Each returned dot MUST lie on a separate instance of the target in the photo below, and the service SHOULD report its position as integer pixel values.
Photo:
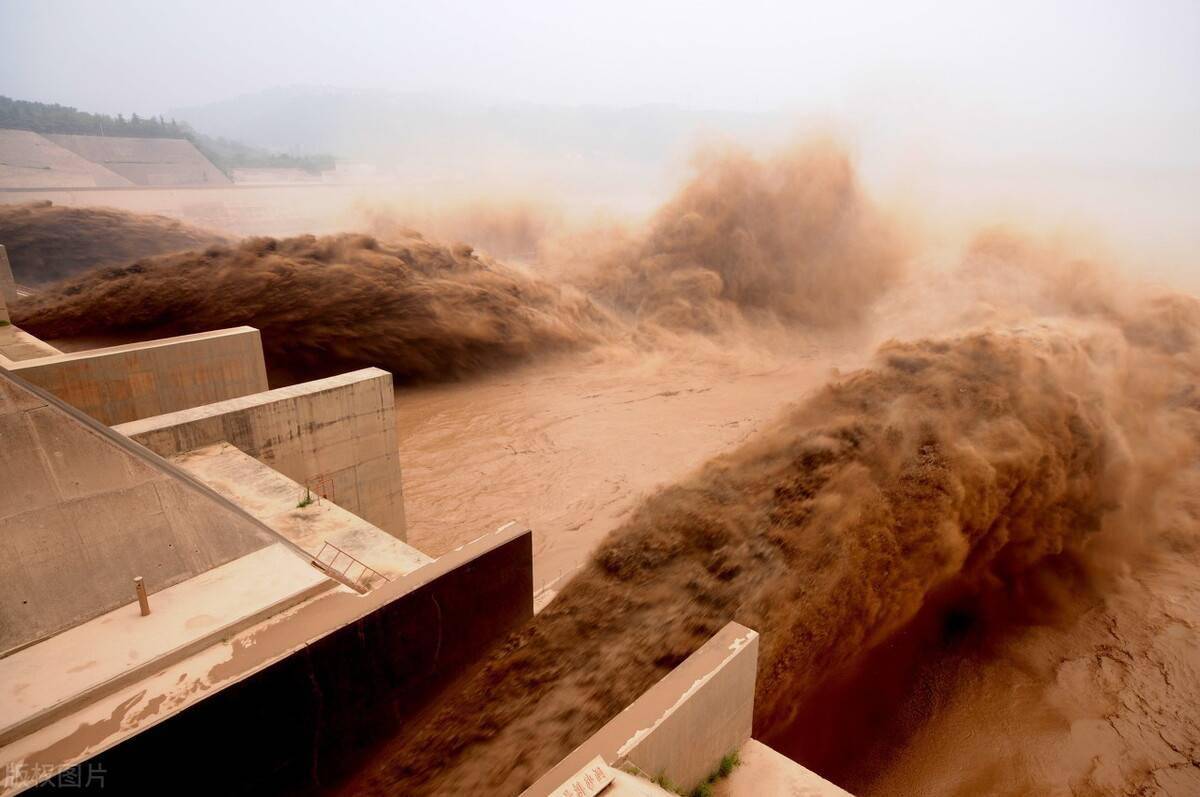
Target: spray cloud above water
(48, 242)
(790, 241)
(419, 309)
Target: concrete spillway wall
(316, 691)
(8, 286)
(15, 343)
(340, 432)
(124, 383)
(682, 726)
(83, 511)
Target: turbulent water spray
(418, 309)
(793, 239)
(949, 464)
(791, 242)
(1025, 408)
(47, 242)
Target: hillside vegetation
(225, 154)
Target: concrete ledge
(683, 725)
(763, 771)
(124, 383)
(17, 345)
(185, 620)
(342, 428)
(273, 498)
(294, 704)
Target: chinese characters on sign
(588, 781)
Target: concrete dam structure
(55, 160)
(265, 530)
(32, 161)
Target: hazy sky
(1074, 113)
(122, 56)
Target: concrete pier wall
(8, 286)
(312, 715)
(83, 511)
(342, 428)
(684, 724)
(17, 345)
(124, 383)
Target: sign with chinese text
(588, 781)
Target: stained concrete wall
(83, 511)
(145, 161)
(31, 161)
(683, 725)
(17, 345)
(124, 383)
(306, 721)
(8, 286)
(343, 428)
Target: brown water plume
(953, 466)
(509, 229)
(418, 309)
(793, 238)
(790, 243)
(48, 242)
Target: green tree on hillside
(227, 155)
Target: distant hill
(618, 157)
(226, 154)
(375, 124)
(42, 117)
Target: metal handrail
(352, 560)
(323, 485)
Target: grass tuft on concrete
(306, 500)
(729, 762)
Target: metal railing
(321, 484)
(346, 571)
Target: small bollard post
(143, 600)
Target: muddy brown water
(569, 447)
(1095, 695)
(1098, 699)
